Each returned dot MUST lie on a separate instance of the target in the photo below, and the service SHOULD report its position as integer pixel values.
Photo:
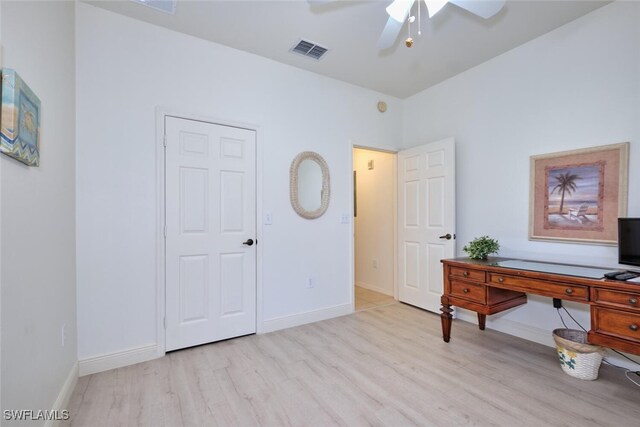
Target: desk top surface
(546, 267)
(540, 267)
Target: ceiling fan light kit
(399, 12)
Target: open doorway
(374, 227)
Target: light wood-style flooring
(383, 366)
(366, 299)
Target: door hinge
(164, 140)
(164, 322)
(165, 231)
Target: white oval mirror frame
(305, 183)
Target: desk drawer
(628, 300)
(469, 291)
(541, 287)
(466, 273)
(618, 323)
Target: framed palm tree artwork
(577, 196)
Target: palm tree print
(566, 184)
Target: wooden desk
(486, 288)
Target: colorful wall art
(19, 120)
(578, 195)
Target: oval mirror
(309, 185)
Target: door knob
(446, 236)
(249, 242)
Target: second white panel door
(210, 232)
(426, 221)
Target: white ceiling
(452, 41)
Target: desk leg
(446, 317)
(482, 319)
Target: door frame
(352, 229)
(161, 114)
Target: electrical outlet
(375, 263)
(63, 335)
(268, 218)
(310, 282)
(344, 218)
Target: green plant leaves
(481, 247)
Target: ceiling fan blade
(398, 13)
(399, 9)
(484, 9)
(389, 33)
(434, 6)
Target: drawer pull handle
(633, 301)
(465, 290)
(465, 274)
(569, 291)
(500, 280)
(633, 327)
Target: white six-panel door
(426, 215)
(210, 216)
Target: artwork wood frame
(577, 196)
(20, 120)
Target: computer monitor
(629, 241)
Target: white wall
(374, 225)
(575, 87)
(38, 214)
(125, 69)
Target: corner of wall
(64, 396)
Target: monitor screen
(629, 241)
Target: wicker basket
(577, 358)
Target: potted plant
(481, 247)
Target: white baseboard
(306, 317)
(62, 401)
(527, 332)
(118, 359)
(374, 288)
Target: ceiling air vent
(309, 49)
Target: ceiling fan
(400, 10)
